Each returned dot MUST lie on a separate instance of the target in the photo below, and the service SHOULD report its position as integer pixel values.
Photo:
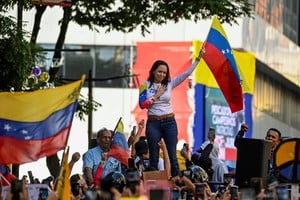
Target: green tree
(124, 16)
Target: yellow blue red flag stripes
(119, 148)
(63, 187)
(220, 59)
(36, 124)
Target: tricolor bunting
(36, 124)
(220, 60)
(119, 148)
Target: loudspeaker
(252, 160)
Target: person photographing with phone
(135, 136)
(155, 96)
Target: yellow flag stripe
(245, 63)
(217, 25)
(37, 105)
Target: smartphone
(133, 132)
(131, 163)
(186, 146)
(227, 179)
(234, 192)
(221, 189)
(30, 177)
(199, 190)
(43, 193)
(146, 163)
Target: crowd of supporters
(138, 180)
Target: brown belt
(171, 115)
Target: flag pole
(116, 127)
(201, 52)
(61, 164)
(3, 178)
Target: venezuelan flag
(119, 149)
(205, 83)
(220, 59)
(36, 124)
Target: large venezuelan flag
(36, 124)
(220, 59)
(207, 97)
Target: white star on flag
(7, 127)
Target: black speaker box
(252, 160)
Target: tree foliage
(129, 15)
(18, 56)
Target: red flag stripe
(224, 76)
(31, 150)
(119, 153)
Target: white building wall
(262, 122)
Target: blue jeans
(166, 129)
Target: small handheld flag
(119, 148)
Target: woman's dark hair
(155, 65)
